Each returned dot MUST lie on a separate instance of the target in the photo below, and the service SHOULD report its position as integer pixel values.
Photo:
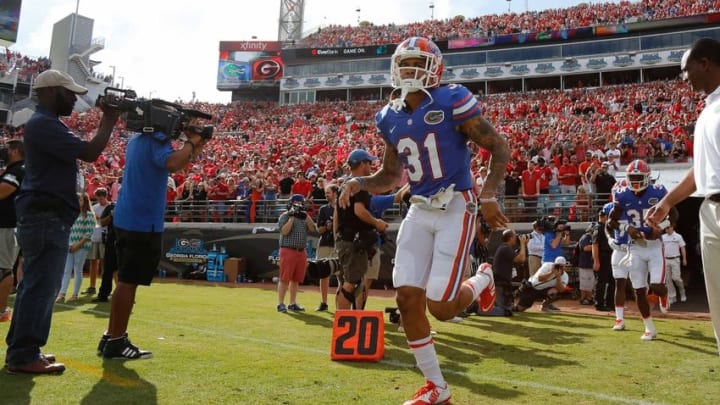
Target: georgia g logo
(266, 69)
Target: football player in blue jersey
(644, 255)
(426, 129)
(618, 242)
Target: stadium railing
(517, 210)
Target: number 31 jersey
(635, 207)
(432, 150)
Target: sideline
(474, 377)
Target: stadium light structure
(113, 75)
(122, 82)
(357, 10)
(509, 2)
(432, 11)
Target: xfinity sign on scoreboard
(245, 64)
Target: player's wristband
(361, 181)
(664, 224)
(623, 227)
(487, 200)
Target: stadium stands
(508, 23)
(266, 142)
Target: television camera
(147, 116)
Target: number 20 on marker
(358, 336)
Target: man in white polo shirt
(674, 248)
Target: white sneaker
(456, 319)
(648, 336)
(430, 394)
(683, 298)
(672, 300)
(619, 325)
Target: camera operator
(557, 235)
(294, 225)
(326, 243)
(139, 218)
(46, 207)
(546, 284)
(13, 156)
(506, 257)
(355, 234)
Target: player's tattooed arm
(480, 131)
(389, 174)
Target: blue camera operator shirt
(141, 203)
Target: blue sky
(170, 48)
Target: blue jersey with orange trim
(635, 207)
(432, 150)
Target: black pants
(605, 286)
(109, 268)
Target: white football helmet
(422, 78)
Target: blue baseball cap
(360, 155)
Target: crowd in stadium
(27, 67)
(259, 144)
(587, 14)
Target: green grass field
(220, 345)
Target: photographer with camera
(506, 257)
(294, 225)
(546, 284)
(356, 234)
(46, 207)
(139, 215)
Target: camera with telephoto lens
(155, 115)
(524, 236)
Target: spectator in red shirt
(218, 193)
(530, 190)
(302, 186)
(568, 177)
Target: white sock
(427, 361)
(477, 284)
(620, 313)
(649, 324)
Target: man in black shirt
(604, 182)
(355, 233)
(512, 190)
(286, 184)
(506, 257)
(602, 265)
(326, 243)
(110, 262)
